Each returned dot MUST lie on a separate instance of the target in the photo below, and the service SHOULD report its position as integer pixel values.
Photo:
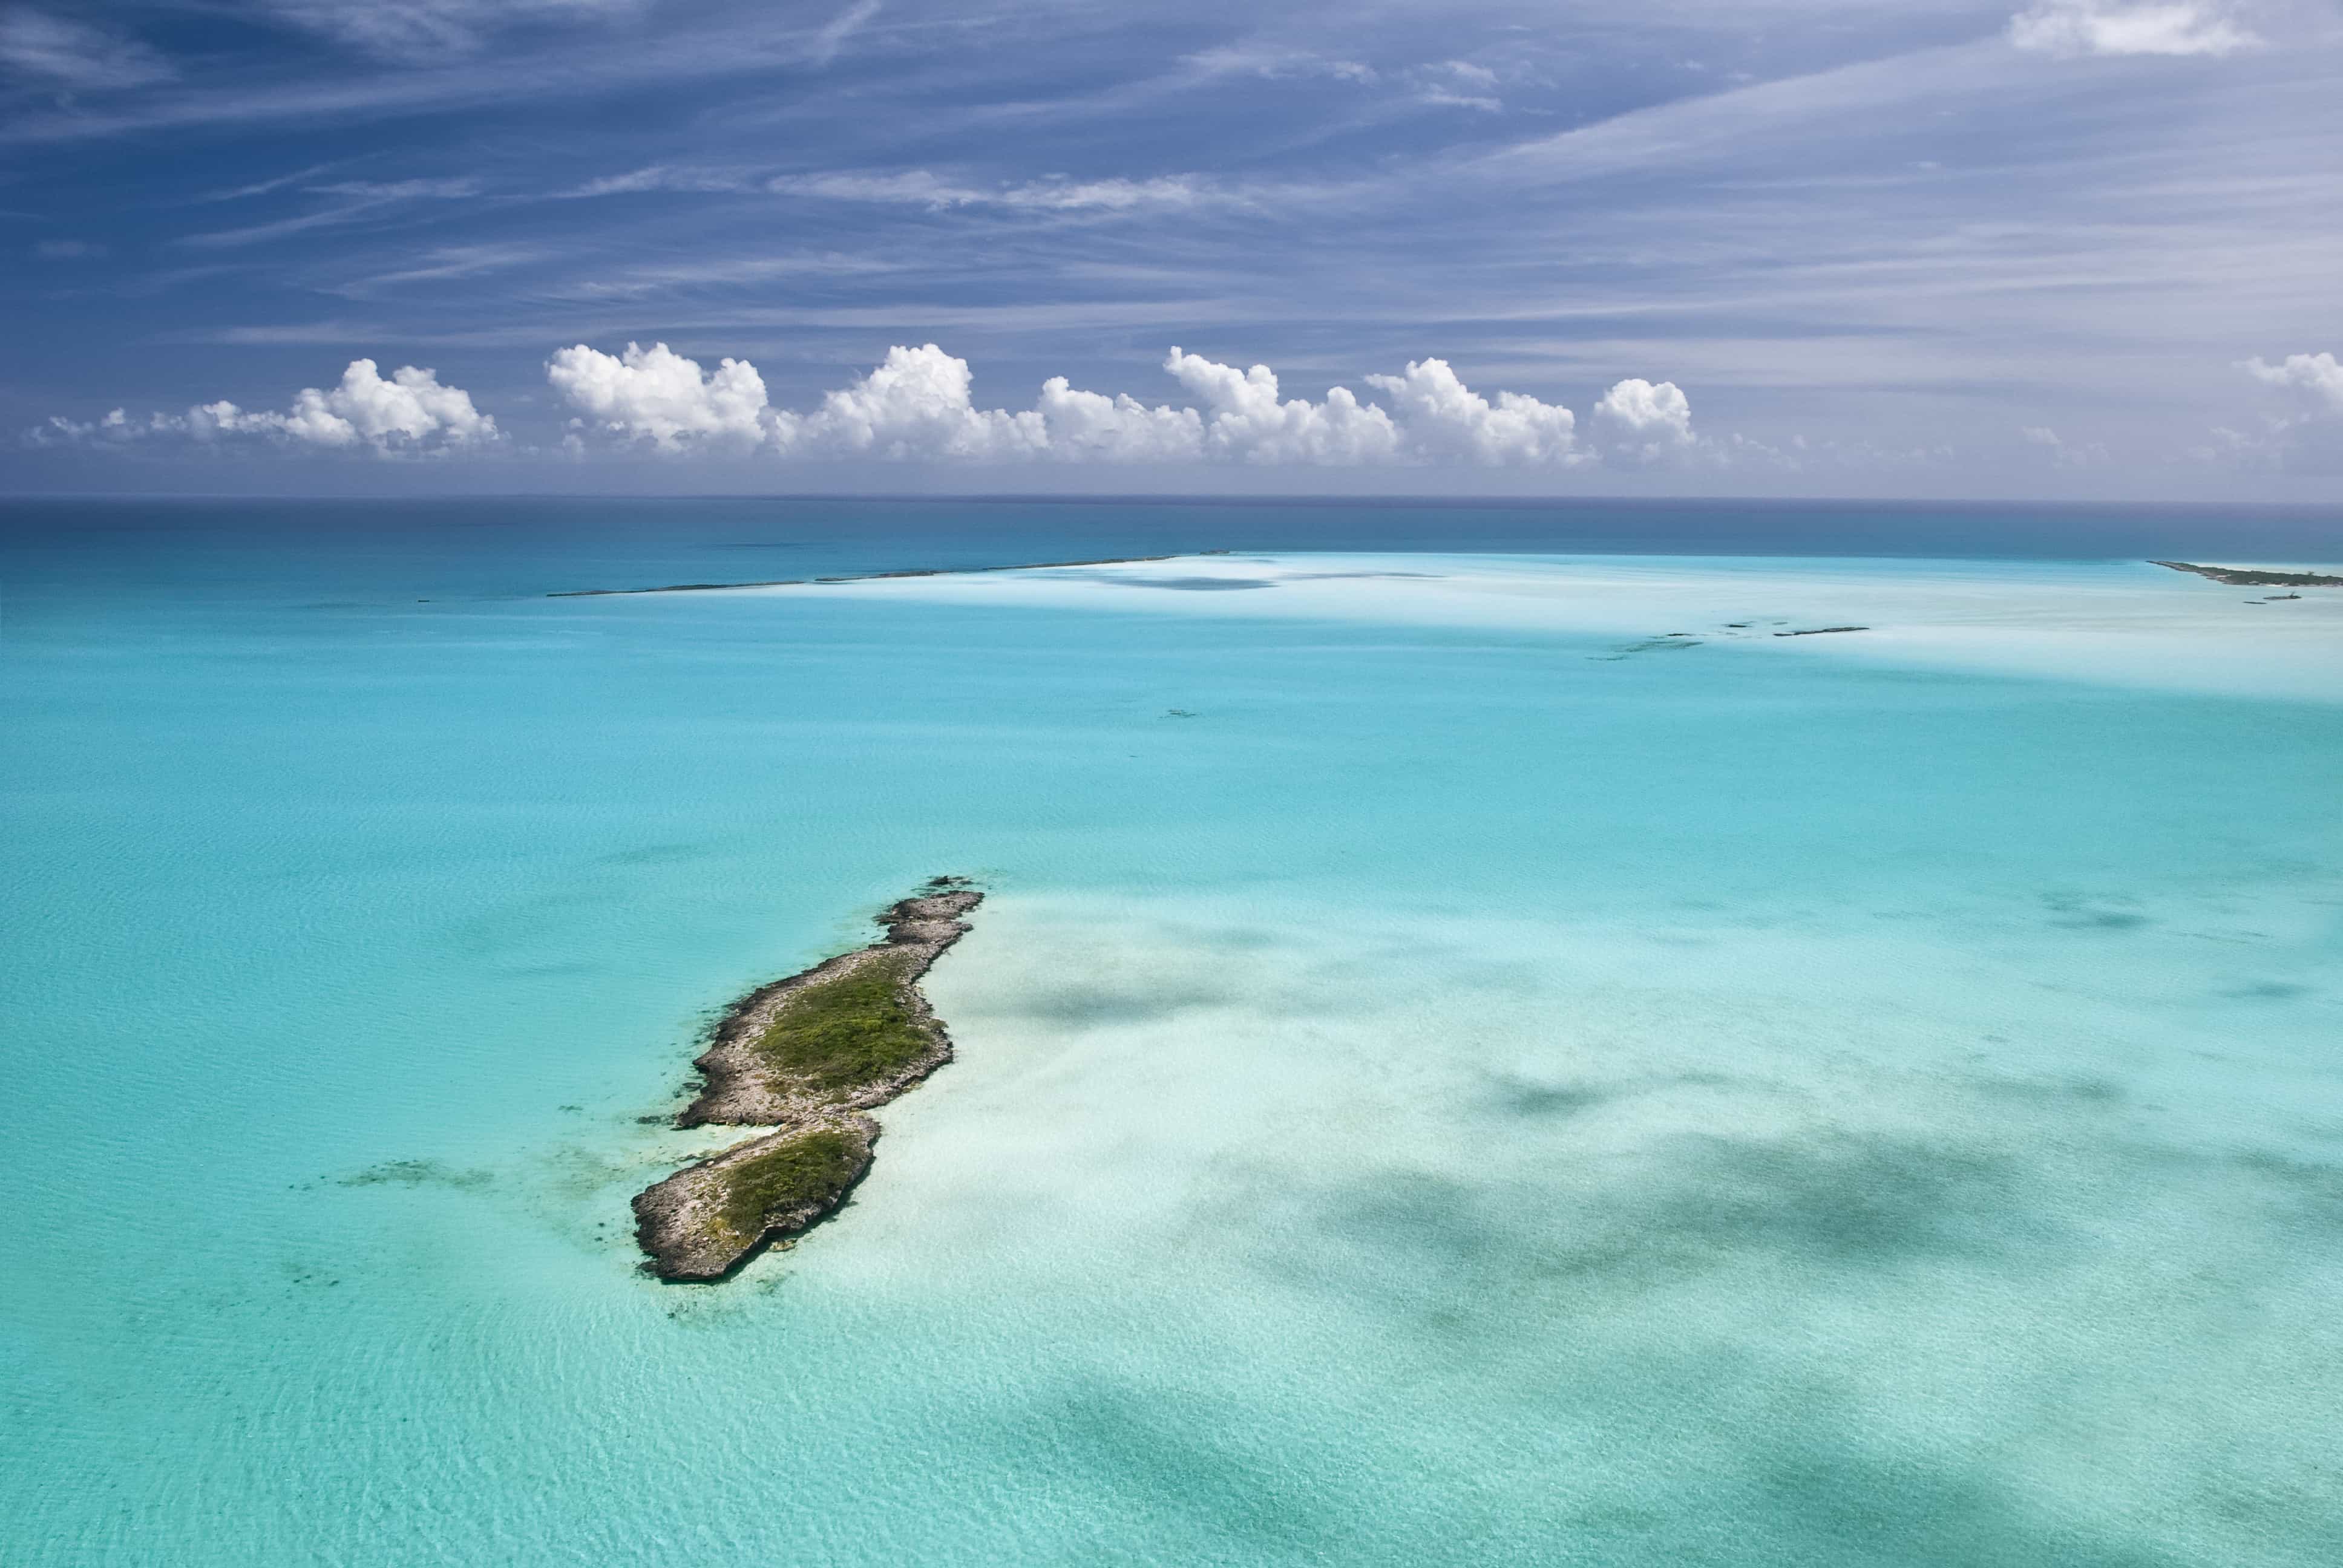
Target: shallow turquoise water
(1458, 1096)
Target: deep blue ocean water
(1432, 1089)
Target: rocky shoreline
(805, 1056)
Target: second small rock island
(805, 1056)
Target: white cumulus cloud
(2066, 454)
(919, 405)
(2070, 28)
(1645, 421)
(410, 412)
(1247, 420)
(657, 395)
(2320, 376)
(2308, 434)
(1089, 427)
(916, 405)
(1445, 419)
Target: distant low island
(2254, 577)
(872, 577)
(805, 1056)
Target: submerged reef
(804, 1055)
(2253, 576)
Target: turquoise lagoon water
(1444, 1078)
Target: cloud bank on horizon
(1988, 246)
(410, 412)
(919, 405)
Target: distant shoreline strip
(879, 576)
(2254, 577)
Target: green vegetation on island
(849, 1031)
(805, 1056)
(811, 1170)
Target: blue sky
(2029, 247)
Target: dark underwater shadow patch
(1095, 1001)
(1820, 1505)
(419, 1173)
(652, 855)
(1449, 1252)
(1845, 1200)
(2081, 1090)
(1649, 645)
(1521, 1095)
(1754, 1453)
(1196, 585)
(1167, 1453)
(1355, 577)
(2265, 990)
(2073, 913)
(551, 971)
(1178, 585)
(2301, 1194)
(1518, 1094)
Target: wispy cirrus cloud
(459, 75)
(350, 201)
(1273, 64)
(641, 279)
(441, 264)
(426, 30)
(252, 188)
(660, 177)
(922, 187)
(1459, 84)
(2069, 28)
(76, 55)
(831, 37)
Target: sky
(1927, 248)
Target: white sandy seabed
(2136, 625)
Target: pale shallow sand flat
(2124, 623)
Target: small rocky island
(805, 1056)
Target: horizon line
(1175, 498)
